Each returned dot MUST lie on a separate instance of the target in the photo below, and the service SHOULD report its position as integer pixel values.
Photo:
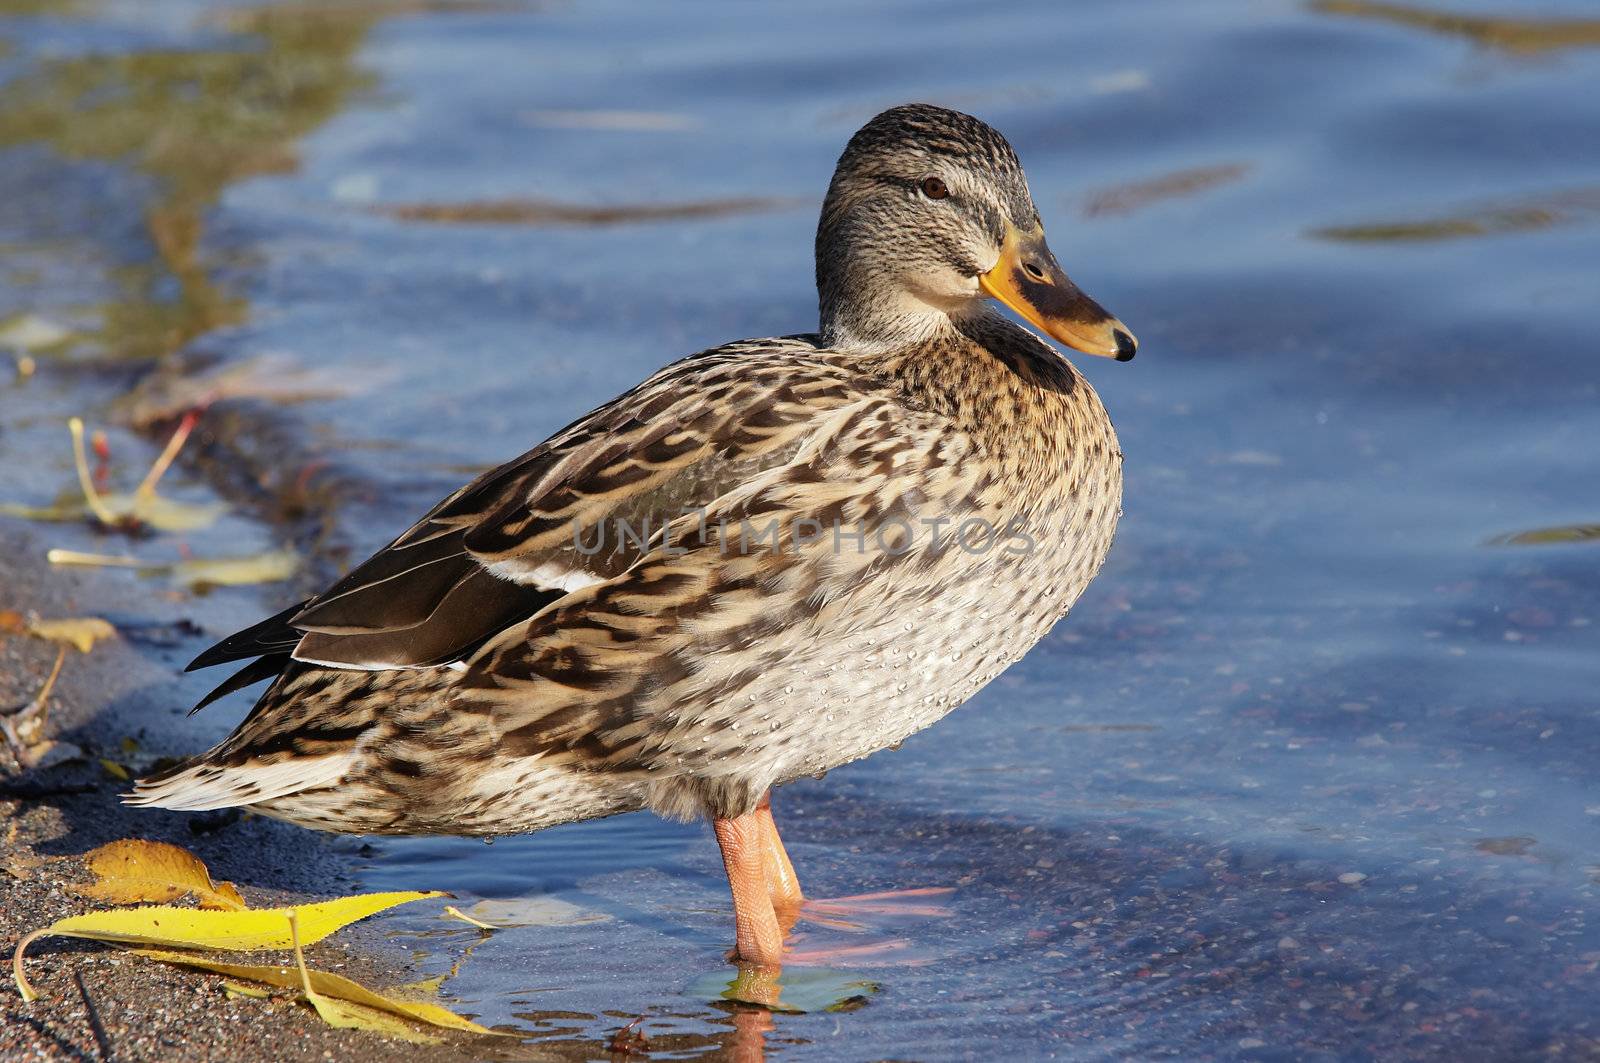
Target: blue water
(1311, 770)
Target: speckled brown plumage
(491, 672)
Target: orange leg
(758, 938)
(783, 885)
(768, 901)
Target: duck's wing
(574, 511)
(655, 669)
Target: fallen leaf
(165, 514)
(427, 987)
(59, 511)
(23, 729)
(530, 911)
(452, 912)
(791, 989)
(57, 752)
(239, 989)
(190, 928)
(21, 865)
(30, 332)
(78, 557)
(325, 985)
(141, 507)
(344, 1015)
(120, 509)
(133, 871)
(81, 631)
(271, 566)
(115, 770)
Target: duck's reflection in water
(750, 1029)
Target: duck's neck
(864, 297)
(865, 317)
(991, 379)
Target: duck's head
(928, 218)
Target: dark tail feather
(266, 667)
(271, 636)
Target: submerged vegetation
(550, 212)
(193, 122)
(1519, 35)
(1571, 207)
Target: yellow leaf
(272, 566)
(143, 505)
(115, 770)
(427, 987)
(239, 989)
(31, 332)
(82, 631)
(133, 871)
(59, 556)
(242, 931)
(189, 928)
(269, 567)
(165, 514)
(120, 509)
(59, 512)
(348, 1016)
(328, 986)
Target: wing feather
(275, 634)
(504, 547)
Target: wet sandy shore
(98, 1002)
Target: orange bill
(1030, 281)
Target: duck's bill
(1030, 281)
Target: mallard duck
(767, 560)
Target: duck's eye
(934, 188)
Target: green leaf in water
(793, 989)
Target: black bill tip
(1127, 346)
